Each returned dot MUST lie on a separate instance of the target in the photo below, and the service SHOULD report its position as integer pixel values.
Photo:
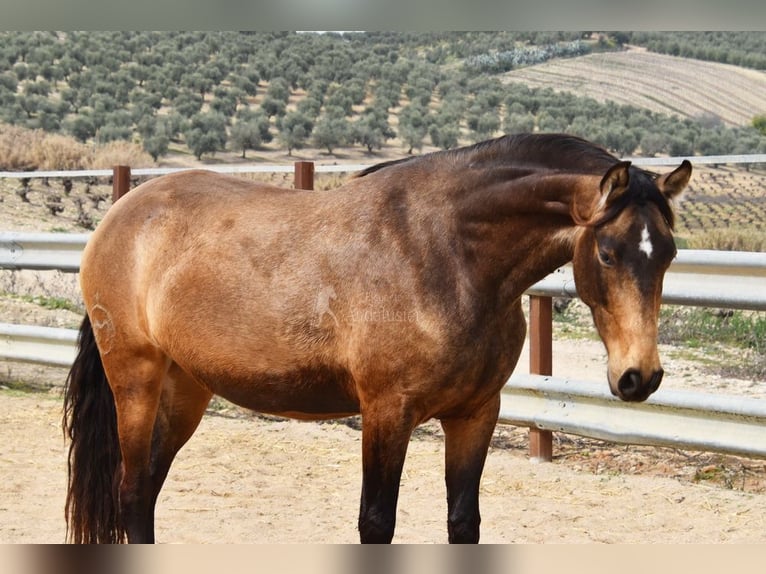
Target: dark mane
(560, 152)
(379, 166)
(520, 154)
(557, 152)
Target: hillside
(205, 93)
(663, 84)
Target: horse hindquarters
(110, 411)
(90, 422)
(111, 498)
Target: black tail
(90, 423)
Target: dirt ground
(250, 479)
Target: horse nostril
(630, 384)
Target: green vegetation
(728, 342)
(746, 49)
(11, 386)
(698, 327)
(46, 302)
(694, 327)
(206, 92)
(712, 332)
(497, 62)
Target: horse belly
(309, 393)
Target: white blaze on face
(645, 245)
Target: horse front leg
(466, 444)
(386, 433)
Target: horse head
(622, 251)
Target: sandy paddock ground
(248, 479)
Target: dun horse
(397, 296)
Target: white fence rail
(681, 419)
(155, 171)
(702, 278)
(692, 420)
(50, 346)
(42, 251)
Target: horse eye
(606, 258)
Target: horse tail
(90, 423)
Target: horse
(396, 296)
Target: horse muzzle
(633, 387)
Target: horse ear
(673, 183)
(615, 182)
(613, 185)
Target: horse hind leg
(182, 404)
(136, 378)
(466, 444)
(157, 413)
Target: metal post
(120, 181)
(304, 175)
(540, 363)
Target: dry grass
(729, 240)
(120, 153)
(55, 151)
(23, 149)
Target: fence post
(304, 175)
(120, 181)
(540, 363)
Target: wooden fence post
(120, 181)
(304, 175)
(540, 363)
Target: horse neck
(518, 231)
